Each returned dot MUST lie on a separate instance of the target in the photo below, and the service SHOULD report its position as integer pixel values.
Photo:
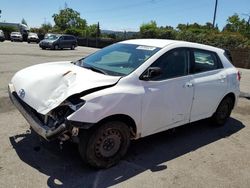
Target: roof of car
(161, 43)
(67, 35)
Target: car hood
(32, 36)
(49, 41)
(15, 35)
(45, 86)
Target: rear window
(69, 38)
(205, 61)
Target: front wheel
(106, 145)
(56, 47)
(223, 111)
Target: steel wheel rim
(108, 144)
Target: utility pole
(247, 15)
(215, 11)
(248, 23)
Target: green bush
(75, 32)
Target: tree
(67, 18)
(24, 22)
(166, 32)
(149, 30)
(235, 24)
(46, 27)
(182, 27)
(92, 30)
(238, 25)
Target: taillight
(239, 75)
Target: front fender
(108, 102)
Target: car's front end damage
(52, 125)
(47, 105)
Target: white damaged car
(126, 91)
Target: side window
(173, 64)
(205, 61)
(66, 37)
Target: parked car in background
(16, 36)
(59, 42)
(126, 91)
(33, 37)
(2, 37)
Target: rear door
(209, 81)
(68, 41)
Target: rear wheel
(106, 145)
(223, 111)
(72, 47)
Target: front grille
(28, 108)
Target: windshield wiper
(96, 70)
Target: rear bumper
(16, 39)
(33, 39)
(36, 124)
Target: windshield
(118, 59)
(52, 37)
(32, 34)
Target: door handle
(188, 85)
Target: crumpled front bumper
(30, 115)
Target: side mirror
(151, 72)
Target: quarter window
(205, 61)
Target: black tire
(28, 41)
(43, 48)
(106, 145)
(72, 47)
(223, 111)
(56, 47)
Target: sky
(125, 15)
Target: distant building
(22, 28)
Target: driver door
(167, 98)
